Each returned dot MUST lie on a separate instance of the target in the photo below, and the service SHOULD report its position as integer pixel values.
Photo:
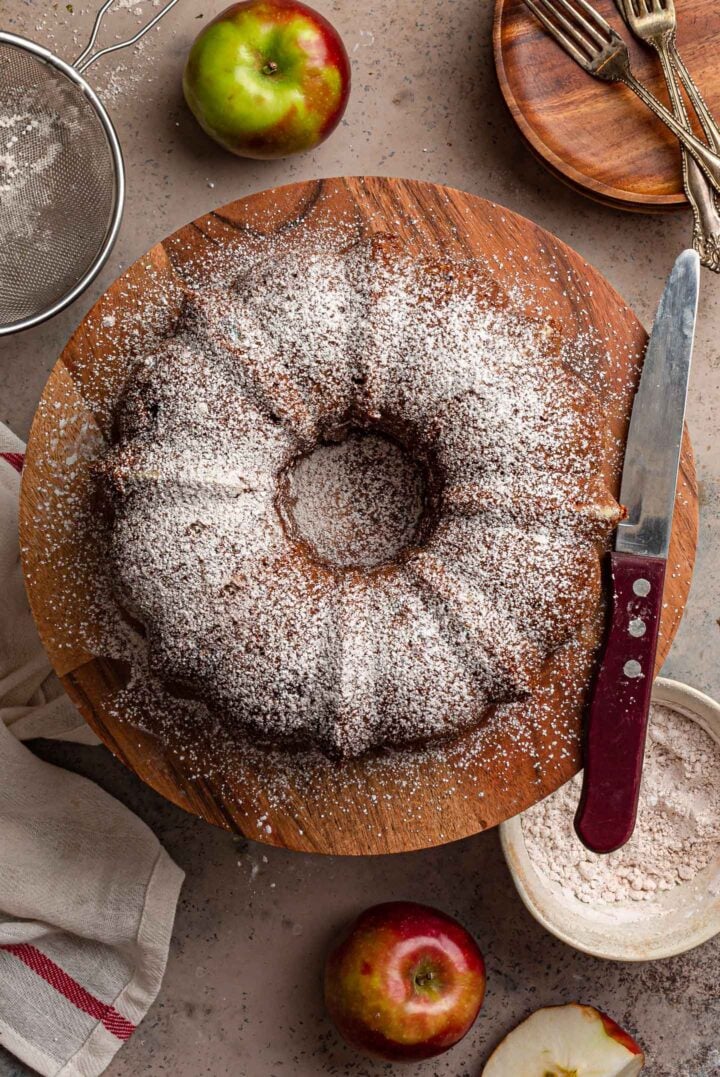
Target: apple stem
(270, 68)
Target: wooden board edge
(389, 846)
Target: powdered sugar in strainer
(62, 180)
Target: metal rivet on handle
(641, 587)
(632, 668)
(637, 627)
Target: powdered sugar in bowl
(660, 895)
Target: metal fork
(653, 21)
(592, 43)
(656, 19)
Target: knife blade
(616, 722)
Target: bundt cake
(356, 500)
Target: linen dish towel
(87, 893)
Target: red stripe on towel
(74, 992)
(14, 459)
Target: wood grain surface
(373, 805)
(598, 136)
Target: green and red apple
(268, 78)
(566, 1041)
(406, 982)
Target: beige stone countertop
(241, 995)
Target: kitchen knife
(620, 696)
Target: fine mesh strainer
(62, 180)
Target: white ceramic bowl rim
(692, 913)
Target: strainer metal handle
(87, 57)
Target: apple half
(566, 1041)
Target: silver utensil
(599, 50)
(620, 697)
(653, 22)
(62, 179)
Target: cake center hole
(356, 503)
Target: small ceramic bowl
(676, 921)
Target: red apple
(267, 78)
(406, 983)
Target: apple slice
(566, 1041)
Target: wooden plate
(387, 804)
(598, 136)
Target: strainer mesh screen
(57, 184)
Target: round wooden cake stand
(596, 136)
(365, 806)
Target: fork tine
(601, 30)
(586, 40)
(553, 29)
(629, 9)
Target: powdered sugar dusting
(357, 503)
(239, 609)
(210, 459)
(27, 149)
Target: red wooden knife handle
(619, 705)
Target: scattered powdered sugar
(134, 5)
(677, 833)
(64, 30)
(398, 638)
(29, 145)
(211, 466)
(358, 502)
(57, 192)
